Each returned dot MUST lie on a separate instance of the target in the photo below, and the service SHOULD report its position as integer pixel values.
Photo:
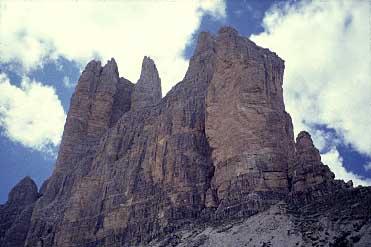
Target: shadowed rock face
(308, 170)
(134, 167)
(15, 215)
(100, 99)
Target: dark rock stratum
(213, 163)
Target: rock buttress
(99, 100)
(151, 171)
(247, 127)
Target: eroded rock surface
(247, 126)
(213, 163)
(100, 99)
(16, 213)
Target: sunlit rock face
(247, 127)
(213, 159)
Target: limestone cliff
(213, 159)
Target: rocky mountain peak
(149, 75)
(24, 192)
(93, 65)
(214, 163)
(304, 144)
(15, 214)
(304, 140)
(148, 66)
(111, 68)
(205, 42)
(147, 91)
(228, 31)
(308, 170)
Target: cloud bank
(326, 48)
(32, 31)
(31, 114)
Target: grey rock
(147, 91)
(16, 213)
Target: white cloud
(325, 45)
(126, 30)
(324, 140)
(335, 162)
(31, 114)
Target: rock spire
(147, 91)
(136, 169)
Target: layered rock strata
(134, 168)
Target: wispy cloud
(67, 82)
(31, 114)
(326, 48)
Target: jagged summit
(214, 163)
(147, 91)
(205, 42)
(228, 30)
(304, 135)
(111, 67)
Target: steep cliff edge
(247, 127)
(210, 160)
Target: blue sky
(324, 45)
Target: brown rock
(308, 170)
(134, 167)
(99, 100)
(151, 172)
(246, 124)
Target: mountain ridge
(138, 169)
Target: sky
(44, 46)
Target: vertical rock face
(101, 97)
(15, 215)
(133, 166)
(151, 171)
(99, 100)
(147, 91)
(247, 126)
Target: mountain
(213, 163)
